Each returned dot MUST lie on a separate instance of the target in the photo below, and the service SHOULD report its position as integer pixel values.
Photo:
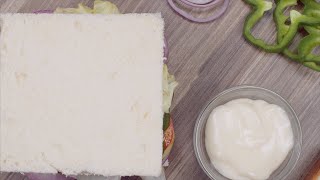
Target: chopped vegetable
(312, 8)
(99, 7)
(259, 8)
(168, 137)
(166, 121)
(309, 19)
(105, 7)
(168, 86)
(307, 44)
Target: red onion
(190, 4)
(209, 4)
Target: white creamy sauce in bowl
(248, 139)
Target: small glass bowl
(250, 92)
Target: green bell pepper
(282, 28)
(312, 65)
(311, 4)
(280, 18)
(309, 20)
(287, 32)
(308, 43)
(306, 46)
(259, 8)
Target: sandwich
(84, 94)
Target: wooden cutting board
(206, 59)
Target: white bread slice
(81, 94)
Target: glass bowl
(250, 92)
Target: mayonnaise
(248, 139)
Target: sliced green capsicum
(308, 43)
(259, 8)
(311, 4)
(282, 28)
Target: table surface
(207, 59)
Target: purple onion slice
(190, 4)
(207, 4)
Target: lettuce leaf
(105, 7)
(99, 7)
(168, 86)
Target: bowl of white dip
(247, 133)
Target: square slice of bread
(81, 94)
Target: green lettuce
(168, 86)
(99, 7)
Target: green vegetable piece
(286, 33)
(280, 18)
(308, 43)
(311, 4)
(306, 46)
(105, 7)
(312, 30)
(282, 28)
(259, 8)
(312, 8)
(312, 65)
(99, 7)
(309, 19)
(168, 85)
(166, 121)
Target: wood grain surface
(207, 59)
